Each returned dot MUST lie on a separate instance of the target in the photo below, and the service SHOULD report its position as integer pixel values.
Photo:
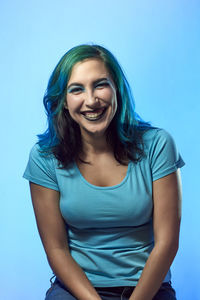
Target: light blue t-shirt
(110, 228)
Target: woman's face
(91, 97)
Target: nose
(91, 100)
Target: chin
(94, 132)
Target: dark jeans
(59, 292)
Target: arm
(53, 234)
(166, 222)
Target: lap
(166, 292)
(58, 292)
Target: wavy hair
(63, 137)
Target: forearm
(154, 272)
(71, 275)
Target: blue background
(158, 46)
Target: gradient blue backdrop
(158, 45)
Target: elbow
(174, 244)
(173, 248)
(168, 246)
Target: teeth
(93, 115)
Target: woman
(105, 186)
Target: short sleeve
(40, 169)
(164, 155)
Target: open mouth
(94, 115)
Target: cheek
(106, 94)
(73, 102)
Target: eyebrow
(95, 82)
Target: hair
(63, 136)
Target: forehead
(88, 69)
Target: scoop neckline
(103, 187)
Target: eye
(75, 90)
(102, 85)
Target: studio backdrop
(158, 46)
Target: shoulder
(42, 157)
(40, 168)
(155, 133)
(157, 138)
(38, 151)
(162, 152)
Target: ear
(65, 105)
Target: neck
(93, 145)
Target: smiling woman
(91, 98)
(105, 186)
(63, 135)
